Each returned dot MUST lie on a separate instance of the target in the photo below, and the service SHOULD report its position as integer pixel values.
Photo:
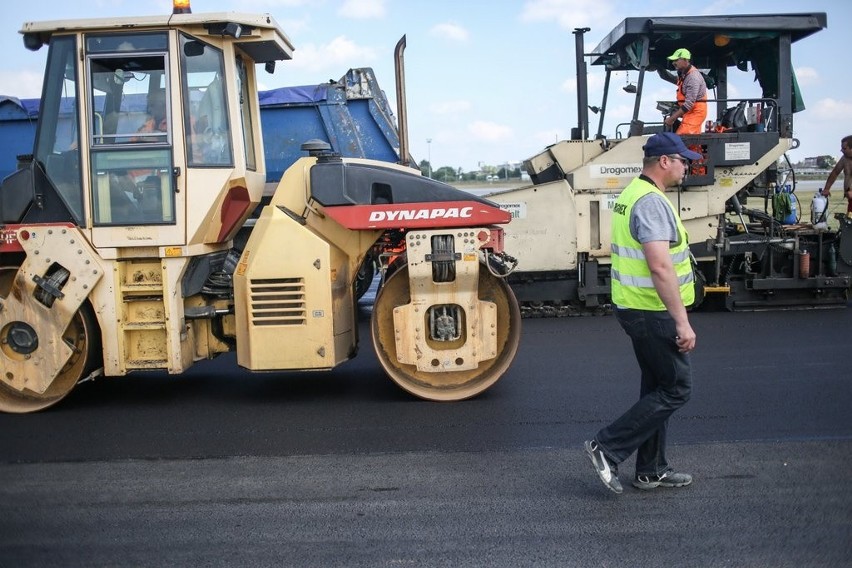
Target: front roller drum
(18, 339)
(446, 385)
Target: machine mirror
(33, 42)
(193, 48)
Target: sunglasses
(681, 159)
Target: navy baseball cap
(665, 143)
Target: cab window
(243, 82)
(57, 147)
(206, 123)
(130, 125)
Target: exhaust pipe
(582, 130)
(399, 69)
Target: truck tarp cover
(307, 94)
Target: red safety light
(181, 7)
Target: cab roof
(262, 38)
(711, 39)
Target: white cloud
(21, 84)
(830, 110)
(293, 27)
(567, 13)
(485, 131)
(338, 53)
(545, 138)
(450, 107)
(734, 92)
(451, 31)
(595, 82)
(362, 9)
(807, 76)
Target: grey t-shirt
(652, 220)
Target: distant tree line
(449, 174)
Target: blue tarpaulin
(352, 115)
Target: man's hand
(666, 283)
(685, 337)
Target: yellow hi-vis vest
(631, 282)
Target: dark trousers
(666, 386)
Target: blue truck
(352, 115)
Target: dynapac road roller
(117, 236)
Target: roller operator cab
(117, 236)
(749, 252)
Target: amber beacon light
(181, 7)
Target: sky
(488, 82)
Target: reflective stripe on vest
(632, 285)
(640, 254)
(645, 281)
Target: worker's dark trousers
(666, 385)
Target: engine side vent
(277, 301)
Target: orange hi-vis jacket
(693, 121)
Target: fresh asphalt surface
(220, 467)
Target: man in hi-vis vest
(652, 283)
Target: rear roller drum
(447, 385)
(17, 338)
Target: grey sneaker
(667, 479)
(606, 470)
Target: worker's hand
(669, 120)
(685, 338)
(826, 192)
